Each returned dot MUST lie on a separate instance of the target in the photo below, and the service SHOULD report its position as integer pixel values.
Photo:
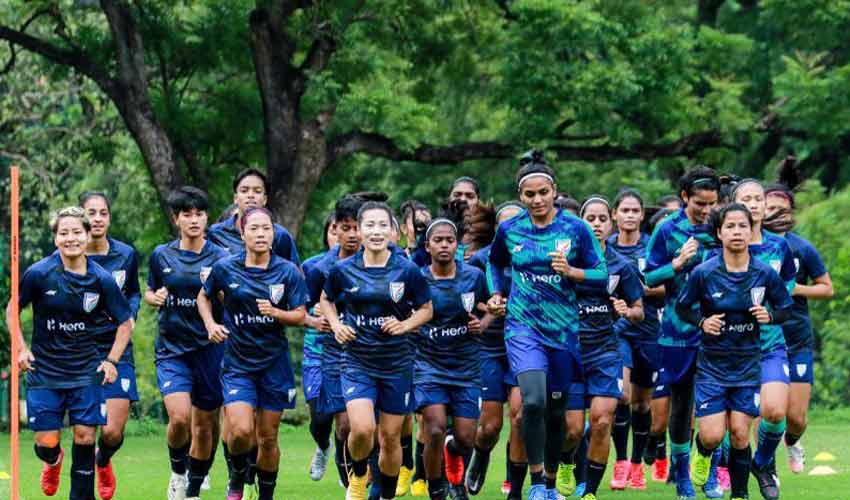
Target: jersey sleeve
(284, 246)
(788, 271)
(416, 288)
(134, 294)
(659, 263)
(779, 298)
(498, 260)
(296, 291)
(481, 294)
(631, 288)
(812, 261)
(30, 286)
(114, 301)
(690, 296)
(154, 272)
(314, 282)
(215, 281)
(590, 258)
(333, 284)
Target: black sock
(437, 489)
(251, 473)
(649, 452)
(739, 470)
(537, 478)
(341, 460)
(791, 439)
(702, 449)
(456, 449)
(321, 426)
(550, 482)
(568, 457)
(661, 447)
(620, 431)
(595, 471)
(388, 485)
(240, 470)
(227, 459)
(407, 452)
(360, 467)
(517, 476)
(82, 472)
(641, 423)
(105, 451)
(198, 470)
(266, 481)
(581, 458)
(178, 458)
(419, 462)
(48, 455)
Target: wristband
(112, 361)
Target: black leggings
(681, 408)
(542, 420)
(320, 426)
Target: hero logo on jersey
(613, 281)
(90, 301)
(276, 292)
(776, 264)
(757, 294)
(205, 273)
(564, 246)
(396, 290)
(468, 300)
(120, 277)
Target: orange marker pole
(14, 333)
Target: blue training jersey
(665, 244)
(66, 309)
(313, 339)
(182, 272)
(733, 358)
(365, 298)
(446, 353)
(541, 301)
(492, 340)
(596, 311)
(648, 329)
(809, 264)
(255, 341)
(122, 262)
(226, 234)
(331, 359)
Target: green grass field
(142, 468)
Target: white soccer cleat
(796, 458)
(177, 487)
(205, 486)
(319, 464)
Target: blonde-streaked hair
(73, 212)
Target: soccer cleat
(457, 492)
(796, 458)
(589, 496)
(234, 495)
(580, 490)
(403, 486)
(701, 468)
(684, 486)
(660, 470)
(552, 494)
(620, 475)
(637, 479)
(453, 464)
(105, 481)
(177, 487)
(50, 476)
(712, 488)
(477, 472)
(506, 487)
(766, 481)
(251, 491)
(419, 488)
(319, 464)
(723, 478)
(193, 498)
(206, 486)
(537, 492)
(357, 487)
(565, 480)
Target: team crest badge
(276, 293)
(613, 281)
(797, 265)
(396, 290)
(125, 384)
(641, 264)
(90, 301)
(120, 276)
(801, 369)
(468, 300)
(564, 246)
(757, 294)
(205, 273)
(757, 399)
(776, 264)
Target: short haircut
(87, 195)
(626, 193)
(187, 198)
(248, 172)
(699, 178)
(69, 212)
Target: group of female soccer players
(551, 306)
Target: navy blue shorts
(393, 395)
(331, 401)
(646, 361)
(197, 372)
(311, 381)
(577, 400)
(662, 385)
(463, 402)
(603, 375)
(774, 366)
(679, 363)
(46, 407)
(625, 349)
(711, 398)
(124, 386)
(528, 351)
(802, 367)
(272, 389)
(497, 379)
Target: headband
(594, 199)
(509, 205)
(704, 180)
(437, 222)
(534, 174)
(781, 193)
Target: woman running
(601, 359)
(813, 283)
(498, 385)
(678, 244)
(122, 261)
(638, 342)
(548, 251)
(66, 371)
(727, 298)
(187, 364)
(465, 189)
(383, 297)
(261, 294)
(446, 372)
(775, 373)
